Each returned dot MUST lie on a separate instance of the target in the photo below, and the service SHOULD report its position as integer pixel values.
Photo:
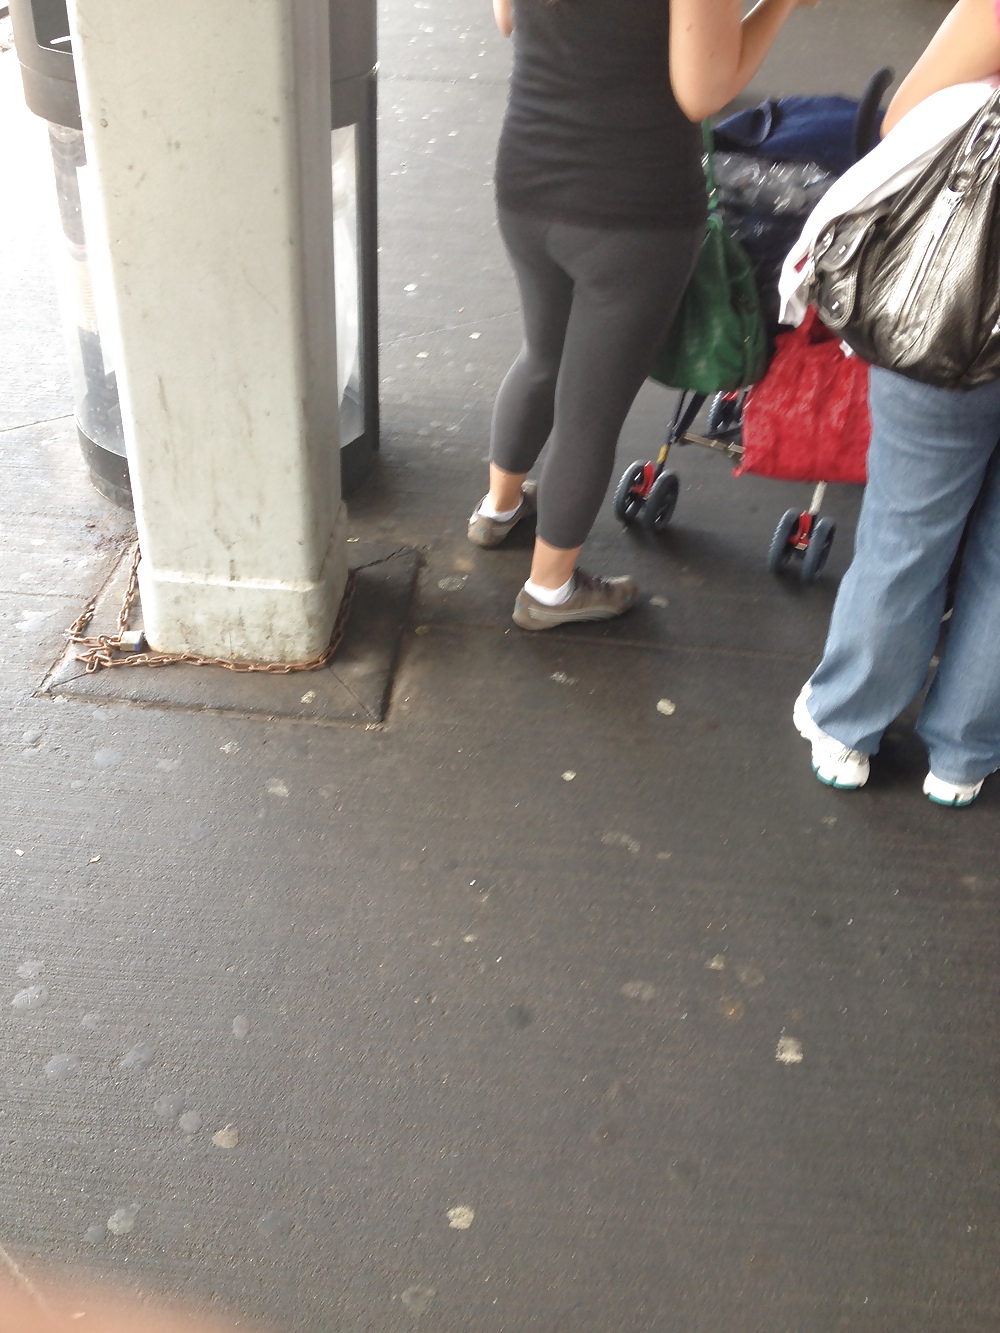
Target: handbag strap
(708, 148)
(981, 142)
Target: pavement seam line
(46, 421)
(449, 328)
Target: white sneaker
(951, 793)
(833, 762)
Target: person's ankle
(499, 513)
(551, 596)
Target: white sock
(551, 596)
(486, 510)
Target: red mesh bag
(807, 419)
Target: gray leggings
(596, 305)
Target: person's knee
(537, 372)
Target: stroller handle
(866, 126)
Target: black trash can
(41, 37)
(354, 97)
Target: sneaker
(833, 762)
(592, 598)
(490, 532)
(951, 793)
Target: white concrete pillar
(207, 128)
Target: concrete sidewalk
(684, 1042)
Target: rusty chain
(106, 650)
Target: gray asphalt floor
(567, 999)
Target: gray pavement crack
(449, 328)
(45, 421)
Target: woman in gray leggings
(601, 202)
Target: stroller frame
(647, 494)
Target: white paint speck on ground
(789, 1051)
(561, 678)
(230, 747)
(621, 840)
(122, 1220)
(750, 976)
(276, 787)
(568, 776)
(168, 1107)
(667, 707)
(33, 620)
(639, 990)
(417, 1299)
(658, 601)
(308, 697)
(61, 1066)
(189, 1122)
(241, 1026)
(453, 583)
(460, 1218)
(716, 964)
(228, 1137)
(140, 1056)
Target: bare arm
(965, 48)
(715, 52)
(504, 17)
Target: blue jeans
(933, 462)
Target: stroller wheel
(723, 414)
(820, 541)
(781, 543)
(660, 504)
(628, 505)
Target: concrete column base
(261, 620)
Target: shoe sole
(955, 802)
(528, 620)
(838, 786)
(497, 539)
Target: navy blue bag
(829, 132)
(824, 130)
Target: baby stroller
(772, 164)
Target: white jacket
(888, 168)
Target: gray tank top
(592, 132)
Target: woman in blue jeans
(934, 473)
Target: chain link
(105, 650)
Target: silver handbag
(913, 283)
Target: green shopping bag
(718, 340)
